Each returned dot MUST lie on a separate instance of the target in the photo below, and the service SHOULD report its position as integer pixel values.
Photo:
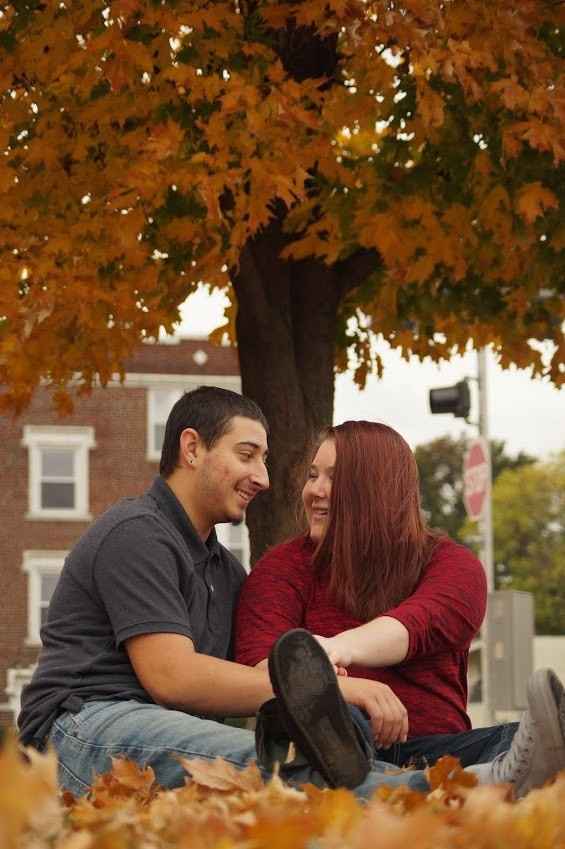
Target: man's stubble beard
(215, 494)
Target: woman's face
(317, 489)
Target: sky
(529, 415)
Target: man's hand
(387, 714)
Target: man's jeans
(151, 735)
(478, 746)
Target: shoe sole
(545, 696)
(314, 711)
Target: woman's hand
(383, 641)
(337, 649)
(387, 714)
(339, 670)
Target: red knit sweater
(442, 616)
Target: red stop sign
(476, 478)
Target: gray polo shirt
(141, 568)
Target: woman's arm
(381, 642)
(443, 614)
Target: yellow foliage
(355, 126)
(431, 107)
(221, 807)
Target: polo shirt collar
(175, 512)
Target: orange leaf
(513, 95)
(448, 774)
(430, 106)
(222, 776)
(557, 240)
(534, 199)
(165, 140)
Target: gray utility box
(510, 648)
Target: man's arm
(176, 676)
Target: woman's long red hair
(376, 544)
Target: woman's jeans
(478, 746)
(152, 735)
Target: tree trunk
(286, 330)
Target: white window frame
(153, 452)
(177, 386)
(81, 440)
(16, 680)
(36, 564)
(226, 532)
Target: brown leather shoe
(314, 711)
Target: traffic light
(451, 399)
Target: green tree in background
(440, 463)
(529, 537)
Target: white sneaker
(537, 752)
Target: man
(139, 625)
(137, 640)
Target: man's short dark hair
(208, 410)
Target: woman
(387, 597)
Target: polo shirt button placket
(214, 618)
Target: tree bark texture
(286, 329)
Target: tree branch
(354, 270)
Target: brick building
(59, 474)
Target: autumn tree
(528, 506)
(440, 464)
(342, 168)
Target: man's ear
(190, 447)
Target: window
(160, 400)
(236, 538)
(58, 471)
(43, 569)
(159, 406)
(16, 680)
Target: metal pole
(486, 520)
(487, 555)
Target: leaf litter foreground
(221, 807)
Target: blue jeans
(477, 746)
(151, 735)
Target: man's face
(233, 471)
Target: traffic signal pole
(485, 525)
(477, 475)
(486, 520)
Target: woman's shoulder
(446, 546)
(447, 552)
